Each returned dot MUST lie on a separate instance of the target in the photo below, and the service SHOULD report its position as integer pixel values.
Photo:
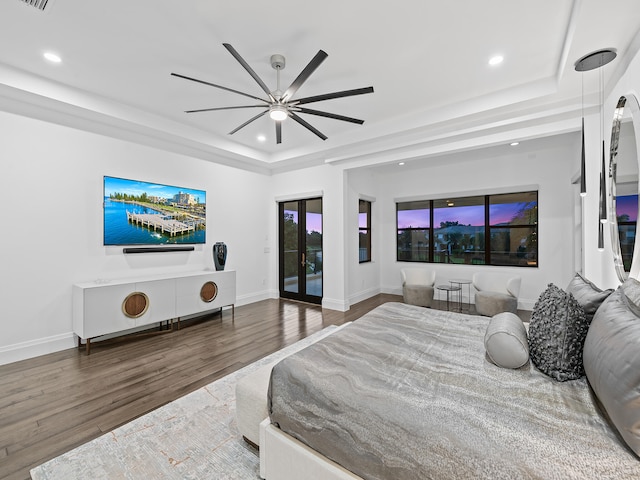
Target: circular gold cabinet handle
(135, 305)
(209, 292)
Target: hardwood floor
(53, 403)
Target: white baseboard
(256, 297)
(391, 290)
(363, 295)
(35, 348)
(329, 303)
(335, 304)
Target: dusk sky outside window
(627, 205)
(471, 215)
(314, 220)
(413, 218)
(503, 213)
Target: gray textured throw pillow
(612, 362)
(557, 331)
(587, 294)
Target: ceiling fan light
(278, 113)
(496, 60)
(52, 57)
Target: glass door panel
(289, 246)
(300, 246)
(313, 247)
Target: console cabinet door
(226, 289)
(101, 310)
(161, 301)
(207, 291)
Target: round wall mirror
(623, 172)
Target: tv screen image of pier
(144, 213)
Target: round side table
(460, 283)
(448, 288)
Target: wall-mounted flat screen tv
(144, 213)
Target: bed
(407, 392)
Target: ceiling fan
(281, 105)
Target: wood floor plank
(53, 403)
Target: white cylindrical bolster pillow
(506, 341)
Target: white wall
(363, 278)
(326, 181)
(51, 219)
(546, 163)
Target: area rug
(194, 437)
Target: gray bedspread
(408, 393)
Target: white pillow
(506, 341)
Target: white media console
(110, 306)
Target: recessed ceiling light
(262, 138)
(52, 57)
(401, 163)
(513, 144)
(496, 60)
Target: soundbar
(188, 248)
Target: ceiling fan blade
(278, 132)
(330, 96)
(224, 108)
(220, 86)
(304, 75)
(247, 122)
(330, 115)
(307, 125)
(246, 66)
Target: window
(413, 221)
(513, 220)
(458, 230)
(481, 230)
(364, 231)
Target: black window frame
(364, 232)
(528, 259)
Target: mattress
(408, 393)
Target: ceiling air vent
(39, 4)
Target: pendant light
(583, 165)
(589, 62)
(603, 177)
(592, 61)
(601, 236)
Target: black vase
(219, 255)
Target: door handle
(303, 260)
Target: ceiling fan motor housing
(277, 61)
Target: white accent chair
(418, 286)
(496, 293)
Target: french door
(300, 249)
